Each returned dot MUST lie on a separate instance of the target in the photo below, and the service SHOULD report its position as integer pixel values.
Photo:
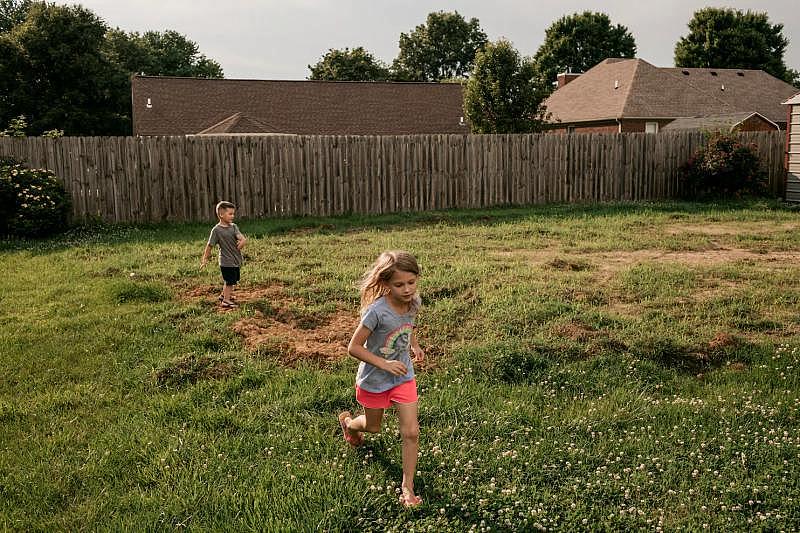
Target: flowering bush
(34, 202)
(725, 167)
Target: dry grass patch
(731, 228)
(607, 264)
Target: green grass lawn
(608, 367)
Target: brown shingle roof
(238, 123)
(645, 91)
(181, 106)
(713, 122)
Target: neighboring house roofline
(633, 89)
(729, 122)
(613, 118)
(756, 113)
(793, 100)
(250, 80)
(185, 105)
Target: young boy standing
(226, 234)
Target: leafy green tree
(157, 53)
(502, 95)
(65, 70)
(55, 73)
(13, 12)
(443, 47)
(578, 42)
(349, 65)
(728, 38)
(12, 64)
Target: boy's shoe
(229, 305)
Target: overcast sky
(267, 39)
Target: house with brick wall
(631, 95)
(198, 106)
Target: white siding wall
(793, 178)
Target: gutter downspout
(619, 125)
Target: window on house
(651, 127)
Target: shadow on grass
(721, 350)
(189, 370)
(174, 232)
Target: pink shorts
(403, 393)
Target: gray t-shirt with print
(225, 236)
(390, 339)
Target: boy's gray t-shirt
(390, 339)
(225, 236)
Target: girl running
(384, 342)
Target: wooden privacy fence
(150, 179)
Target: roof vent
(713, 73)
(723, 87)
(461, 121)
(740, 73)
(685, 72)
(149, 104)
(616, 84)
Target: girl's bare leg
(370, 422)
(409, 431)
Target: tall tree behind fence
(149, 179)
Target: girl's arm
(357, 350)
(419, 353)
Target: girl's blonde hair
(375, 280)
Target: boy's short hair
(223, 205)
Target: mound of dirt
(577, 331)
(290, 343)
(723, 340)
(279, 330)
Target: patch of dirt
(723, 340)
(290, 343)
(279, 330)
(577, 331)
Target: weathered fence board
(149, 179)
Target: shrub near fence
(150, 179)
